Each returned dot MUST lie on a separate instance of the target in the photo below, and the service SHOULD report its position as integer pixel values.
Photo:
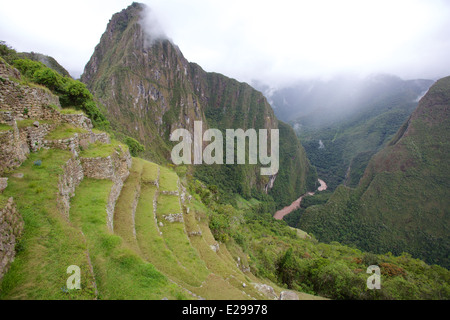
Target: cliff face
(149, 89)
(401, 203)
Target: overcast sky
(270, 41)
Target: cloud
(274, 42)
(153, 29)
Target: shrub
(72, 93)
(48, 78)
(134, 146)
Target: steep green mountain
(401, 203)
(149, 89)
(344, 121)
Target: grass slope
(120, 272)
(50, 244)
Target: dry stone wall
(6, 117)
(114, 167)
(77, 120)
(68, 181)
(14, 148)
(6, 71)
(35, 135)
(19, 102)
(11, 228)
(26, 102)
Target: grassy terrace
(70, 111)
(98, 149)
(171, 251)
(135, 261)
(123, 215)
(64, 131)
(49, 244)
(120, 272)
(152, 245)
(168, 180)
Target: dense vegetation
(343, 121)
(401, 203)
(348, 146)
(293, 218)
(294, 178)
(275, 251)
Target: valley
(280, 214)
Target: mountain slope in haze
(401, 203)
(47, 60)
(149, 89)
(9, 54)
(344, 121)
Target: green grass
(176, 239)
(120, 273)
(168, 180)
(49, 244)
(245, 204)
(64, 131)
(152, 244)
(97, 131)
(123, 217)
(98, 149)
(3, 201)
(5, 127)
(149, 172)
(71, 111)
(167, 204)
(29, 123)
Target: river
(296, 204)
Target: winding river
(296, 204)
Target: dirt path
(279, 215)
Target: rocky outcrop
(215, 247)
(174, 217)
(11, 228)
(288, 295)
(266, 290)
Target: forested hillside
(401, 203)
